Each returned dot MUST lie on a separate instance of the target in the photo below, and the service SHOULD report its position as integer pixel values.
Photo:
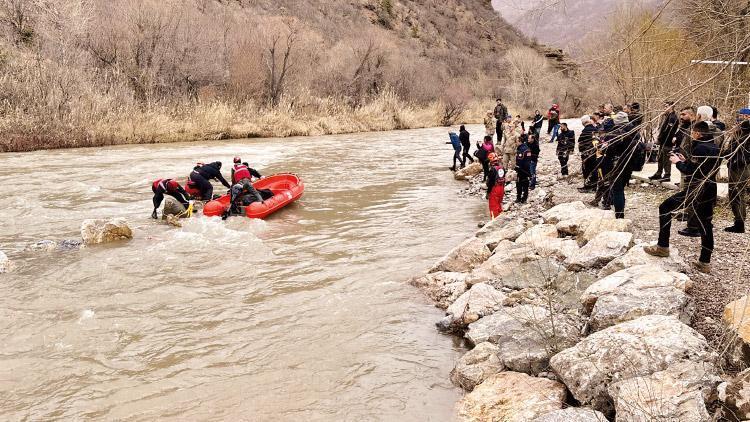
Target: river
(304, 316)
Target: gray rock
(635, 292)
(537, 235)
(476, 366)
(506, 255)
(635, 348)
(564, 211)
(577, 224)
(479, 301)
(602, 249)
(96, 231)
(636, 256)
(499, 230)
(468, 172)
(527, 336)
(511, 397)
(42, 246)
(601, 225)
(678, 393)
(172, 207)
(464, 257)
(443, 288)
(572, 414)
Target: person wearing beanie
(699, 195)
(737, 152)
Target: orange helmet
(492, 157)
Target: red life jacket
(165, 185)
(240, 172)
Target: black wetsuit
(171, 188)
(202, 175)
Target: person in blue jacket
(456, 143)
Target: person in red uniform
(495, 185)
(169, 187)
(242, 171)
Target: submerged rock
(511, 397)
(476, 366)
(678, 393)
(51, 245)
(636, 256)
(527, 336)
(172, 207)
(479, 301)
(635, 292)
(444, 288)
(96, 231)
(602, 249)
(464, 257)
(5, 263)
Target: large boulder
(678, 393)
(511, 397)
(443, 288)
(577, 224)
(537, 234)
(736, 395)
(499, 230)
(172, 207)
(572, 414)
(601, 225)
(481, 300)
(736, 317)
(637, 256)
(566, 211)
(602, 249)
(476, 366)
(468, 172)
(506, 255)
(464, 257)
(635, 292)
(527, 335)
(5, 263)
(96, 231)
(635, 348)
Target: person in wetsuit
(169, 187)
(201, 176)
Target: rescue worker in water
(169, 187)
(201, 176)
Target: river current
(305, 316)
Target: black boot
(689, 232)
(739, 227)
(654, 177)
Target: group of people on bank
(199, 187)
(611, 148)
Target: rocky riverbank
(569, 320)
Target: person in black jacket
(523, 172)
(536, 124)
(566, 143)
(699, 194)
(587, 149)
(667, 131)
(533, 143)
(482, 154)
(201, 176)
(738, 156)
(620, 145)
(464, 137)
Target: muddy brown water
(305, 316)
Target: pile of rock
(563, 303)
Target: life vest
(240, 172)
(164, 185)
(500, 175)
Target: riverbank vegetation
(95, 72)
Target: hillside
(88, 72)
(562, 23)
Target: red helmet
(492, 157)
(237, 159)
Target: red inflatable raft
(287, 188)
